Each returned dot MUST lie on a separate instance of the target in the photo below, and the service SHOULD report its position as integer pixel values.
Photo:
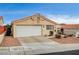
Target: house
(2, 29)
(70, 28)
(36, 25)
(1, 20)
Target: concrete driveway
(37, 44)
(36, 39)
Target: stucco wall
(2, 37)
(71, 31)
(45, 31)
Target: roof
(37, 15)
(70, 26)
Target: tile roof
(70, 26)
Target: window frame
(49, 27)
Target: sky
(59, 12)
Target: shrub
(57, 36)
(64, 36)
(70, 35)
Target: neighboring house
(1, 20)
(2, 29)
(36, 25)
(70, 28)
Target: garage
(24, 31)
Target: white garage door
(24, 31)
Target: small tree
(8, 33)
(8, 26)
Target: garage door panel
(22, 31)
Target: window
(55, 30)
(49, 27)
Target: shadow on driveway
(73, 52)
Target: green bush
(57, 36)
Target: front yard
(9, 41)
(67, 40)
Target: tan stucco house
(35, 25)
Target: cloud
(64, 19)
(18, 12)
(13, 12)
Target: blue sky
(62, 13)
